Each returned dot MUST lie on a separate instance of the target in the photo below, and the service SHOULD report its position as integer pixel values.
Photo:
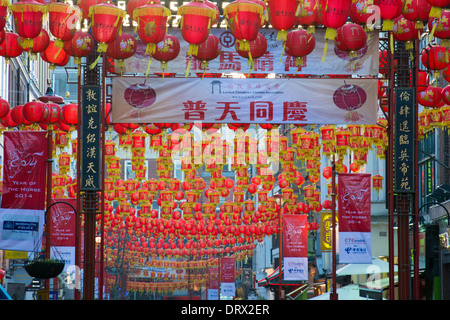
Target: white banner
(355, 247)
(21, 229)
(295, 268)
(225, 100)
(274, 61)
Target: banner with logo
(226, 100)
(24, 170)
(275, 60)
(21, 229)
(213, 284)
(354, 191)
(325, 230)
(227, 282)
(295, 247)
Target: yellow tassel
(151, 48)
(431, 36)
(435, 12)
(148, 67)
(188, 68)
(325, 48)
(193, 50)
(391, 41)
(92, 66)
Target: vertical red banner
(63, 219)
(295, 247)
(24, 170)
(227, 282)
(354, 205)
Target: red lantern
(437, 6)
(334, 14)
(4, 4)
(62, 19)
(79, 46)
(4, 108)
(167, 50)
(350, 38)
(308, 16)
(422, 81)
(84, 6)
(34, 111)
(440, 27)
(257, 48)
(7, 120)
(133, 4)
(359, 12)
(106, 21)
(51, 117)
(417, 11)
(299, 44)
(17, 116)
(445, 94)
(28, 17)
(123, 47)
(10, 47)
(196, 20)
(208, 50)
(54, 55)
(283, 16)
(244, 18)
(69, 114)
(430, 97)
(404, 30)
(389, 10)
(151, 19)
(435, 58)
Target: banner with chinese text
(226, 100)
(227, 281)
(24, 170)
(354, 191)
(275, 60)
(295, 247)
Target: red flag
(63, 220)
(24, 171)
(295, 235)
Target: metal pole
(280, 262)
(49, 197)
(333, 294)
(415, 212)
(77, 294)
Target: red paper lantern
(34, 111)
(123, 47)
(351, 37)
(4, 107)
(389, 10)
(334, 15)
(417, 11)
(430, 97)
(405, 30)
(7, 120)
(422, 81)
(40, 43)
(359, 12)
(62, 19)
(51, 117)
(81, 45)
(299, 44)
(308, 16)
(440, 27)
(167, 50)
(282, 16)
(54, 55)
(244, 19)
(133, 4)
(17, 116)
(208, 50)
(69, 114)
(4, 4)
(445, 94)
(435, 58)
(28, 17)
(10, 47)
(84, 6)
(196, 20)
(106, 21)
(257, 48)
(437, 6)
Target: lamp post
(333, 294)
(280, 246)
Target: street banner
(354, 191)
(295, 247)
(325, 230)
(24, 170)
(63, 222)
(227, 282)
(213, 284)
(275, 60)
(21, 229)
(227, 100)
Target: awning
(349, 292)
(3, 294)
(377, 266)
(273, 280)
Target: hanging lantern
(28, 18)
(350, 37)
(283, 16)
(207, 51)
(437, 6)
(62, 18)
(81, 45)
(196, 21)
(435, 58)
(299, 44)
(405, 30)
(34, 111)
(4, 107)
(430, 97)
(106, 22)
(257, 48)
(69, 114)
(334, 15)
(151, 19)
(417, 11)
(40, 43)
(123, 47)
(244, 19)
(4, 5)
(167, 50)
(54, 56)
(134, 4)
(389, 10)
(308, 15)
(440, 28)
(10, 47)
(361, 14)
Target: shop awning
(377, 266)
(3, 294)
(273, 280)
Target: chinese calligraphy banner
(273, 61)
(295, 247)
(354, 218)
(227, 282)
(404, 128)
(25, 170)
(226, 100)
(90, 138)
